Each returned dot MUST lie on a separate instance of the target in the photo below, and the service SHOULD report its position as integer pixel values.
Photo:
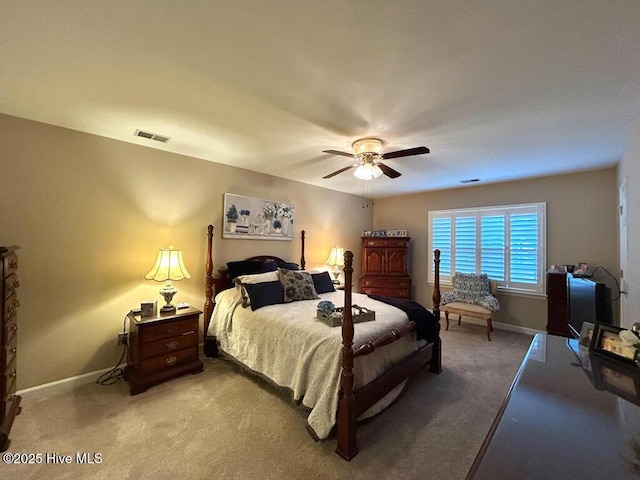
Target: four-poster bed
(364, 375)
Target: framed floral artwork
(256, 219)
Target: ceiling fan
(368, 153)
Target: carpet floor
(223, 424)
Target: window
(507, 243)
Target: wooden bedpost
(209, 347)
(302, 260)
(435, 365)
(347, 447)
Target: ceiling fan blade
(338, 152)
(388, 171)
(339, 171)
(406, 153)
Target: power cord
(117, 372)
(614, 279)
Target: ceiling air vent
(471, 180)
(152, 136)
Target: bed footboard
(352, 403)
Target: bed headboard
(222, 282)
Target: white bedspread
(287, 344)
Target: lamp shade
(336, 257)
(169, 266)
(367, 171)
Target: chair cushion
(467, 309)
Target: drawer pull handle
(172, 330)
(13, 350)
(172, 345)
(171, 361)
(368, 292)
(13, 373)
(12, 397)
(14, 327)
(16, 284)
(13, 264)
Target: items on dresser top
(162, 347)
(385, 267)
(9, 401)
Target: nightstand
(162, 347)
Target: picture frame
(256, 219)
(606, 341)
(586, 334)
(581, 269)
(619, 378)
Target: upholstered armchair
(473, 295)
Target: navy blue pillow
(265, 293)
(322, 282)
(288, 265)
(244, 267)
(269, 266)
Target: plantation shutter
(465, 245)
(441, 239)
(492, 250)
(523, 248)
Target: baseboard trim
(497, 325)
(64, 385)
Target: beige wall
(90, 213)
(581, 227)
(629, 171)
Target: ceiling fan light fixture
(367, 145)
(367, 171)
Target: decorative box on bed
(340, 374)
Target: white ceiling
(498, 90)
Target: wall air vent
(152, 136)
(471, 180)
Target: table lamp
(336, 260)
(169, 266)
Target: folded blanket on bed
(426, 325)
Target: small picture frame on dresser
(149, 308)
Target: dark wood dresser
(10, 402)
(557, 304)
(162, 347)
(385, 267)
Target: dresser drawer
(10, 285)
(168, 361)
(9, 351)
(169, 345)
(174, 328)
(404, 283)
(10, 306)
(387, 292)
(10, 264)
(10, 328)
(10, 372)
(385, 242)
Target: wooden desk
(555, 423)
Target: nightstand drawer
(168, 345)
(169, 329)
(10, 285)
(168, 361)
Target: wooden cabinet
(161, 348)
(385, 266)
(9, 401)
(557, 304)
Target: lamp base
(167, 292)
(168, 308)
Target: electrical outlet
(122, 339)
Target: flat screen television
(588, 301)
